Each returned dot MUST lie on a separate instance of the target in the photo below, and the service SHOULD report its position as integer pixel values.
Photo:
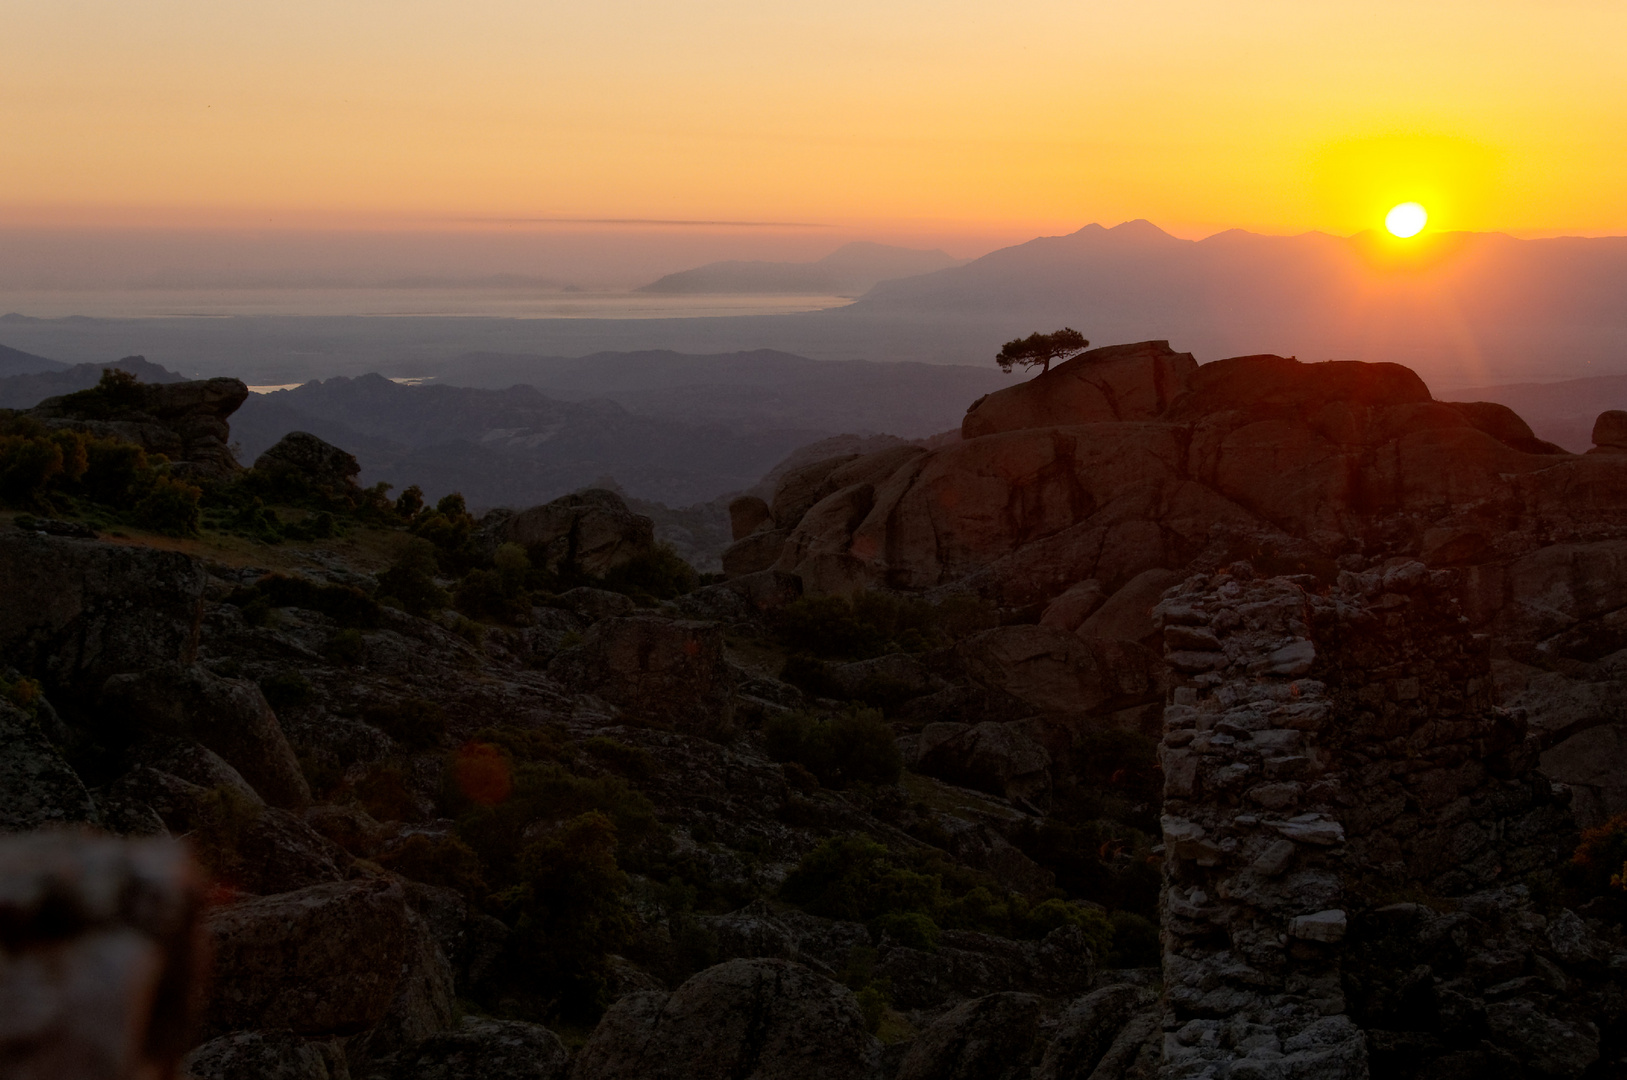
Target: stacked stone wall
(1328, 754)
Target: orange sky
(892, 116)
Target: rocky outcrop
(184, 421)
(101, 965)
(301, 460)
(983, 1039)
(267, 1055)
(1326, 754)
(229, 716)
(591, 532)
(79, 611)
(653, 668)
(762, 1019)
(323, 960)
(40, 789)
(480, 1048)
(1119, 382)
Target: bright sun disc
(1405, 220)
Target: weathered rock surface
(987, 1038)
(304, 459)
(229, 716)
(590, 531)
(657, 668)
(101, 963)
(79, 611)
(751, 1019)
(1101, 1030)
(267, 1055)
(747, 514)
(480, 1048)
(321, 960)
(37, 787)
(1119, 382)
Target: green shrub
(659, 574)
(909, 928)
(345, 605)
(487, 594)
(410, 502)
(633, 762)
(873, 1006)
(1599, 865)
(116, 392)
(826, 626)
(410, 580)
(858, 879)
(346, 647)
(444, 860)
(170, 507)
(287, 689)
(1135, 941)
(853, 747)
(569, 910)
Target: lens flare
(1406, 220)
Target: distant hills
(25, 390)
(514, 446)
(760, 390)
(17, 362)
(1463, 310)
(850, 270)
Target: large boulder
(301, 461)
(79, 611)
(229, 716)
(747, 514)
(184, 421)
(321, 960)
(101, 963)
(989, 1038)
(1610, 431)
(741, 1020)
(1054, 672)
(480, 1048)
(1119, 382)
(1091, 1026)
(40, 788)
(659, 669)
(591, 532)
(998, 758)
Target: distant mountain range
(850, 270)
(1462, 309)
(26, 390)
(762, 390)
(513, 447)
(16, 362)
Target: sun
(1406, 220)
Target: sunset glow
(1035, 117)
(1406, 220)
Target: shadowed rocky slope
(1316, 670)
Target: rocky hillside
(1254, 719)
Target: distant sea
(505, 303)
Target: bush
(487, 594)
(858, 879)
(410, 580)
(568, 911)
(1135, 941)
(346, 647)
(909, 928)
(854, 747)
(633, 762)
(287, 689)
(170, 507)
(659, 574)
(384, 793)
(347, 606)
(444, 860)
(1599, 866)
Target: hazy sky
(882, 117)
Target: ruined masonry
(1330, 761)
